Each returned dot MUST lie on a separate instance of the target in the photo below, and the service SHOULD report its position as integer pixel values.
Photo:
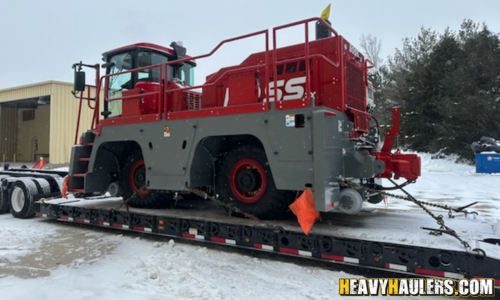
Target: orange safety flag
(304, 209)
(65, 187)
(40, 164)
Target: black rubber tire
(153, 200)
(477, 147)
(487, 140)
(18, 189)
(4, 203)
(272, 205)
(375, 199)
(493, 148)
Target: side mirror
(79, 81)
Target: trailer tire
(4, 203)
(132, 175)
(244, 179)
(375, 199)
(22, 204)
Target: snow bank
(431, 163)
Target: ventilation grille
(355, 88)
(192, 100)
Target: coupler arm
(397, 164)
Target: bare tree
(371, 47)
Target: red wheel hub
(137, 178)
(248, 181)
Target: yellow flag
(326, 12)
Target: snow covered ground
(48, 260)
(445, 182)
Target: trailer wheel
(4, 203)
(244, 179)
(22, 205)
(133, 181)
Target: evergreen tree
(448, 88)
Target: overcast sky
(42, 39)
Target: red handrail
(165, 93)
(264, 32)
(78, 119)
(87, 87)
(368, 67)
(307, 55)
(97, 106)
(215, 82)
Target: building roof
(34, 85)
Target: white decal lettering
(279, 83)
(294, 89)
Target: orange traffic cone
(304, 209)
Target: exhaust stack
(321, 31)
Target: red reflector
(333, 257)
(289, 251)
(429, 272)
(258, 246)
(138, 228)
(330, 114)
(187, 235)
(116, 225)
(218, 240)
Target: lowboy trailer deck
(366, 240)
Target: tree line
(447, 86)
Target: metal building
(39, 120)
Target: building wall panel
(64, 112)
(31, 132)
(58, 135)
(8, 132)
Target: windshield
(117, 84)
(127, 61)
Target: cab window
(117, 84)
(146, 58)
(187, 74)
